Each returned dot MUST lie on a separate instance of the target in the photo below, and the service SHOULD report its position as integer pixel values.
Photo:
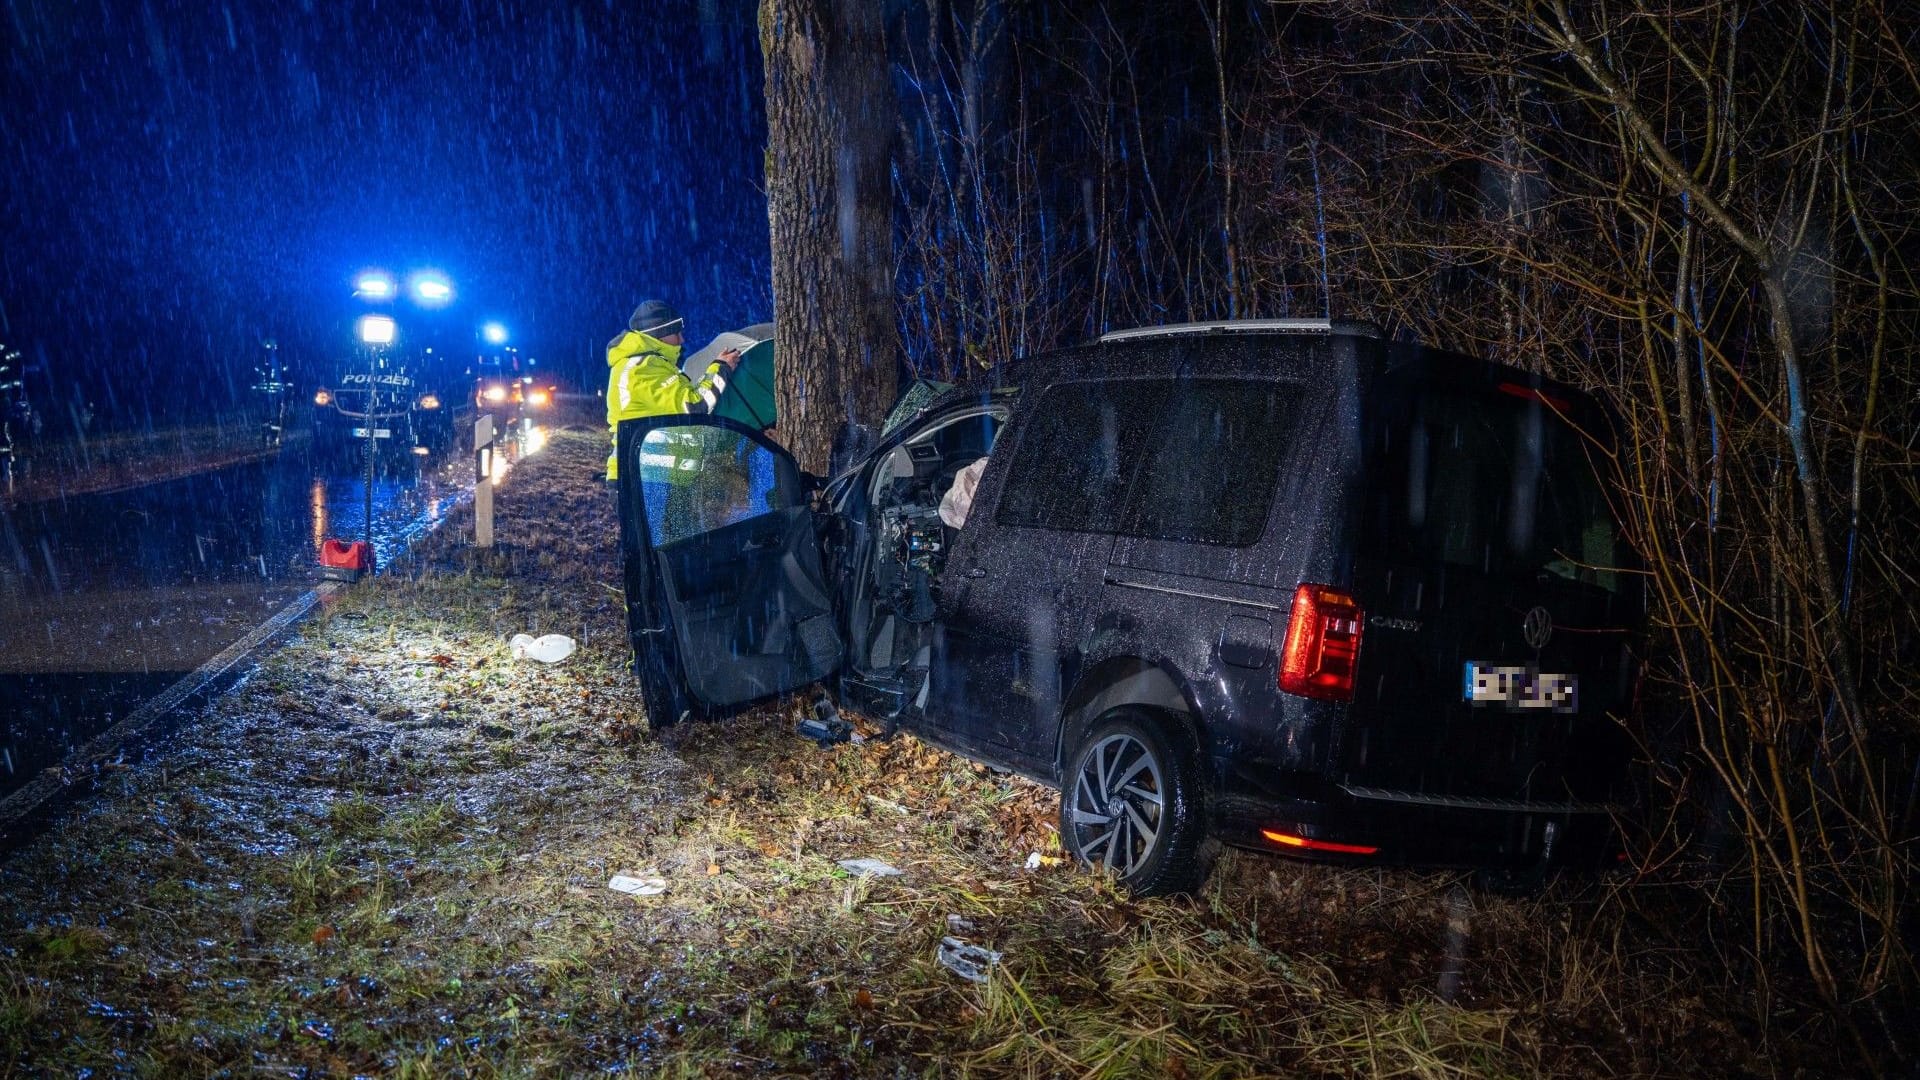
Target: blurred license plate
(378, 433)
(1520, 687)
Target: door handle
(766, 544)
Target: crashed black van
(1278, 582)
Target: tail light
(1322, 649)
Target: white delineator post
(483, 482)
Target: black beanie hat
(655, 317)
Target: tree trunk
(830, 124)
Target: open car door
(726, 601)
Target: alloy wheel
(1118, 804)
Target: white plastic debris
(547, 648)
(970, 962)
(1036, 860)
(637, 886)
(869, 868)
(959, 924)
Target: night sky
(181, 179)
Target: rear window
(1194, 461)
(1493, 482)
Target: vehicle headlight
(496, 393)
(429, 401)
(321, 397)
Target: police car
(394, 405)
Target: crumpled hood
(633, 343)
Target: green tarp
(749, 396)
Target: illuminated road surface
(106, 599)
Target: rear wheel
(1130, 805)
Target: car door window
(1211, 476)
(1080, 450)
(696, 479)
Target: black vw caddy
(1278, 582)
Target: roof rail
(1246, 326)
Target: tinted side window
(1211, 475)
(1081, 447)
(698, 479)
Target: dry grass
(387, 853)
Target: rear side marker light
(1306, 844)
(1322, 650)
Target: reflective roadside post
(483, 481)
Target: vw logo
(1537, 627)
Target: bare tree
(1717, 241)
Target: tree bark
(830, 125)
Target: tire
(1154, 847)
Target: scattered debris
(637, 886)
(959, 924)
(970, 962)
(1036, 860)
(826, 727)
(869, 868)
(547, 648)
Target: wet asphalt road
(107, 599)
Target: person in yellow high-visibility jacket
(644, 377)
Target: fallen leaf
(443, 659)
(713, 869)
(863, 998)
(323, 935)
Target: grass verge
(387, 852)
